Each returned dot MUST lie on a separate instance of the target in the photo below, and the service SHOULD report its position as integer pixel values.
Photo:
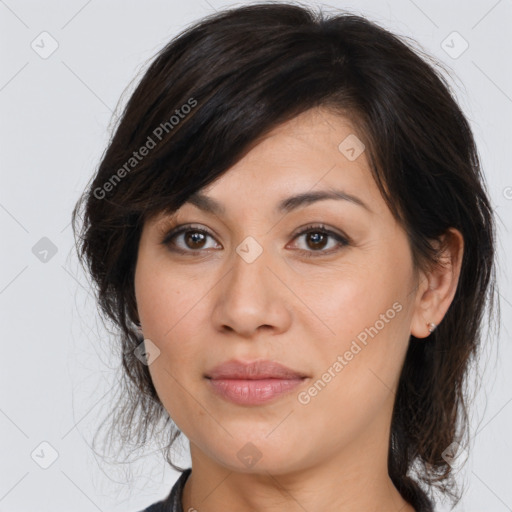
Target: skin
(328, 454)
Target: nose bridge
(251, 296)
(250, 273)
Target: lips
(253, 384)
(257, 370)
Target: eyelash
(314, 228)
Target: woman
(291, 231)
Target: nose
(251, 298)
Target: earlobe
(434, 299)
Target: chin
(261, 457)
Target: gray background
(57, 364)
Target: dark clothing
(173, 502)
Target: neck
(352, 481)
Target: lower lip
(253, 392)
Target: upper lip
(264, 369)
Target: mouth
(257, 370)
(253, 383)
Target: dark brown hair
(211, 93)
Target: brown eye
(194, 239)
(187, 239)
(191, 240)
(316, 239)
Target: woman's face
(265, 282)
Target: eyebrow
(210, 205)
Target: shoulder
(172, 503)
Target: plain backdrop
(64, 67)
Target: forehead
(316, 155)
(315, 150)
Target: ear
(437, 287)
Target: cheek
(356, 296)
(168, 308)
(174, 389)
(359, 357)
(356, 376)
(175, 372)
(162, 297)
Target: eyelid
(342, 239)
(320, 227)
(178, 230)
